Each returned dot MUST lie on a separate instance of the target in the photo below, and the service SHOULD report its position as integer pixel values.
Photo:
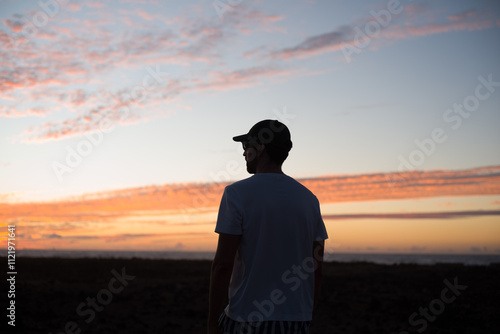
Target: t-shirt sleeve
(230, 217)
(321, 233)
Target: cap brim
(241, 138)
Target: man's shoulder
(241, 183)
(258, 181)
(303, 188)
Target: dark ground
(168, 296)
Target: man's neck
(269, 168)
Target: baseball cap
(268, 132)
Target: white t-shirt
(273, 275)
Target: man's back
(268, 226)
(278, 220)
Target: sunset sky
(116, 119)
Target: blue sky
(349, 112)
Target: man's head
(268, 139)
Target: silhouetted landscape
(171, 296)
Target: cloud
(240, 78)
(417, 184)
(14, 25)
(417, 215)
(139, 13)
(468, 14)
(52, 236)
(95, 4)
(98, 119)
(354, 35)
(6, 111)
(108, 238)
(74, 7)
(327, 42)
(120, 108)
(109, 206)
(146, 16)
(68, 62)
(196, 198)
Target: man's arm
(318, 251)
(222, 267)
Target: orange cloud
(416, 184)
(195, 197)
(418, 215)
(110, 205)
(161, 217)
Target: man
(271, 241)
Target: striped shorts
(230, 326)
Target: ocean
(386, 259)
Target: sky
(116, 119)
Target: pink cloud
(101, 119)
(74, 7)
(243, 16)
(119, 109)
(37, 112)
(416, 10)
(73, 51)
(48, 35)
(205, 36)
(15, 26)
(315, 45)
(145, 15)
(437, 28)
(240, 78)
(140, 13)
(10, 112)
(95, 4)
(101, 112)
(464, 15)
(79, 97)
(128, 21)
(342, 37)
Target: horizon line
(470, 253)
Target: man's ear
(260, 148)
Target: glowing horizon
(357, 209)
